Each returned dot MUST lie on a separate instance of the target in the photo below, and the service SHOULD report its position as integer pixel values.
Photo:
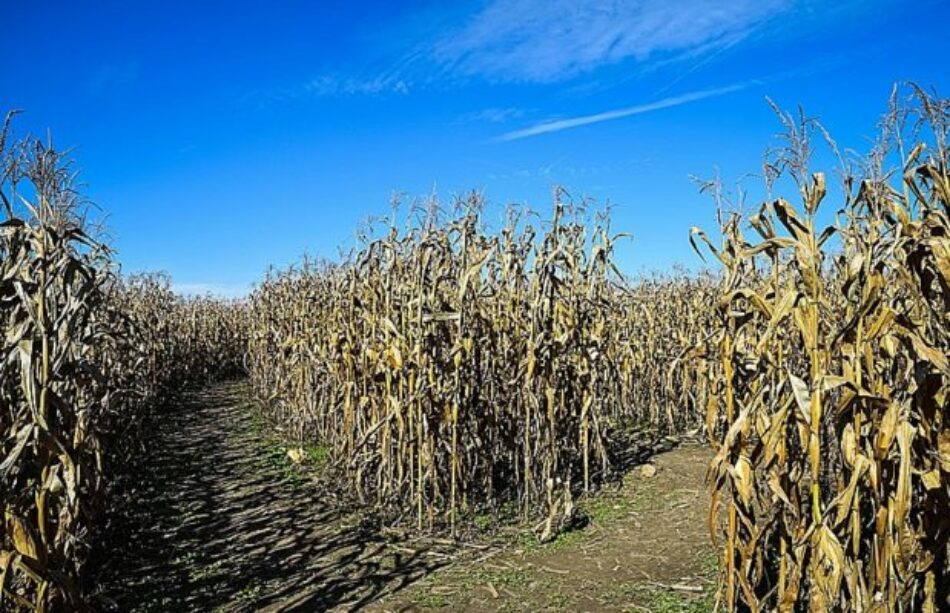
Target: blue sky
(224, 137)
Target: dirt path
(219, 522)
(647, 548)
(219, 519)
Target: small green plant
(605, 509)
(484, 521)
(316, 454)
(528, 541)
(432, 601)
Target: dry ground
(218, 518)
(647, 548)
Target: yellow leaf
(23, 540)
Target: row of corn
(453, 369)
(829, 377)
(85, 356)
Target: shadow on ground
(210, 522)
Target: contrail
(574, 122)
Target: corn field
(454, 369)
(85, 356)
(829, 379)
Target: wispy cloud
(584, 120)
(493, 115)
(331, 85)
(556, 41)
(551, 40)
(222, 290)
(541, 41)
(327, 86)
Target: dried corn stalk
(452, 369)
(84, 356)
(832, 382)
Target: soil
(219, 517)
(647, 548)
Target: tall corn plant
(85, 356)
(830, 393)
(452, 368)
(52, 277)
